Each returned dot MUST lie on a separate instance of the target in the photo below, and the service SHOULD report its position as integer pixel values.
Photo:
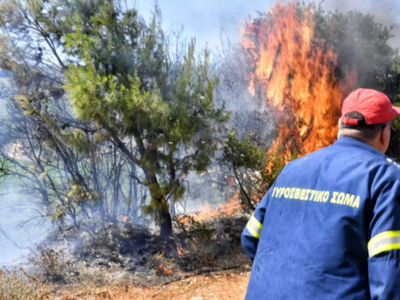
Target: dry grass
(52, 265)
(209, 287)
(16, 284)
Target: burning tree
(294, 71)
(306, 61)
(294, 66)
(138, 116)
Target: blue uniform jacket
(329, 228)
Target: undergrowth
(17, 284)
(52, 265)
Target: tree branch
(241, 187)
(14, 243)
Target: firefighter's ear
(385, 138)
(339, 123)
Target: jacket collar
(352, 142)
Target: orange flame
(294, 73)
(180, 250)
(161, 270)
(206, 211)
(167, 271)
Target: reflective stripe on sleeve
(254, 227)
(384, 241)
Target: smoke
(21, 226)
(386, 12)
(207, 19)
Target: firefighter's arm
(252, 231)
(384, 245)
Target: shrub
(17, 284)
(52, 265)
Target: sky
(207, 19)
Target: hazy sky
(206, 19)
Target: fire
(168, 272)
(180, 250)
(161, 270)
(294, 73)
(206, 211)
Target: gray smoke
(386, 12)
(206, 19)
(21, 226)
(22, 223)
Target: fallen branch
(163, 288)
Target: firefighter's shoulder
(393, 162)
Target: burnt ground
(98, 256)
(223, 286)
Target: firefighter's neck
(380, 143)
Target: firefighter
(329, 227)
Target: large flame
(294, 75)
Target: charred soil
(219, 286)
(117, 260)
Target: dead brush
(161, 264)
(17, 284)
(52, 265)
(202, 243)
(88, 276)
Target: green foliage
(78, 140)
(362, 44)
(123, 82)
(244, 153)
(358, 38)
(394, 146)
(255, 169)
(78, 193)
(57, 212)
(113, 116)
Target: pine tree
(126, 88)
(125, 82)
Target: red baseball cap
(373, 105)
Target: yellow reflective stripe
(384, 241)
(386, 247)
(253, 232)
(254, 227)
(255, 222)
(383, 235)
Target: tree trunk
(164, 215)
(172, 208)
(134, 196)
(165, 224)
(165, 221)
(117, 169)
(143, 203)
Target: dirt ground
(204, 287)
